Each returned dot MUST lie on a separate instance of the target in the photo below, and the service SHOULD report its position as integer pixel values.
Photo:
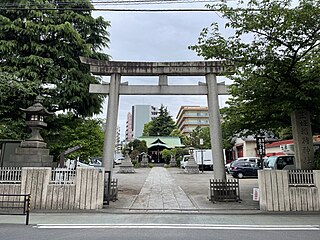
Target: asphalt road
(92, 226)
(161, 232)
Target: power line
(79, 6)
(108, 2)
(120, 10)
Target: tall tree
(68, 130)
(162, 125)
(275, 48)
(40, 45)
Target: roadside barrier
(15, 204)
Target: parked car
(241, 159)
(284, 162)
(241, 169)
(118, 160)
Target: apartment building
(129, 134)
(190, 117)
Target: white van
(200, 156)
(285, 162)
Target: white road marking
(184, 226)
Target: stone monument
(144, 161)
(33, 152)
(173, 162)
(126, 164)
(191, 167)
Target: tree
(40, 45)
(162, 125)
(136, 147)
(166, 155)
(275, 73)
(67, 130)
(199, 133)
(136, 144)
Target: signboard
(261, 146)
(256, 194)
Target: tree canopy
(40, 45)
(193, 140)
(275, 48)
(68, 130)
(162, 125)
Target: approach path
(160, 192)
(160, 189)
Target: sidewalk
(171, 190)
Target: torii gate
(116, 69)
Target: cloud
(163, 36)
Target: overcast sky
(160, 36)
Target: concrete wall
(85, 193)
(277, 195)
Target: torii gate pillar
(215, 127)
(111, 125)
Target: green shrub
(166, 165)
(178, 161)
(150, 165)
(135, 163)
(317, 159)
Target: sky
(157, 36)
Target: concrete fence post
(35, 181)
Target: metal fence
(63, 176)
(15, 204)
(10, 175)
(301, 178)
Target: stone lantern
(126, 165)
(33, 152)
(35, 121)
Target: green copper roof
(168, 142)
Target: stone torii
(116, 69)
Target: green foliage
(275, 49)
(39, 55)
(166, 154)
(136, 145)
(163, 125)
(176, 152)
(150, 165)
(194, 139)
(317, 159)
(135, 163)
(67, 130)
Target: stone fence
(59, 189)
(293, 190)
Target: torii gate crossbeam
(116, 69)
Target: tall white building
(142, 114)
